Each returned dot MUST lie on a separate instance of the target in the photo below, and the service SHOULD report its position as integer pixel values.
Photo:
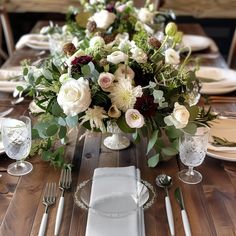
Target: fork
(64, 184)
(49, 199)
(6, 112)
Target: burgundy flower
(110, 7)
(78, 62)
(146, 106)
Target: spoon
(165, 181)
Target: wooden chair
(5, 30)
(232, 53)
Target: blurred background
(217, 17)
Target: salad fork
(6, 112)
(64, 184)
(49, 199)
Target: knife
(180, 200)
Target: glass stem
(190, 170)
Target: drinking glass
(192, 151)
(16, 138)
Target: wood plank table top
(211, 205)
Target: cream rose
(104, 19)
(134, 118)
(138, 55)
(179, 118)
(105, 80)
(172, 57)
(117, 57)
(74, 96)
(124, 71)
(145, 15)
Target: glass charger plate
(223, 129)
(115, 203)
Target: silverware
(64, 184)
(49, 199)
(17, 101)
(6, 112)
(165, 181)
(180, 200)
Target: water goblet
(16, 138)
(192, 151)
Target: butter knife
(180, 200)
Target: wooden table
(211, 205)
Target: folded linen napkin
(8, 78)
(35, 41)
(221, 148)
(99, 225)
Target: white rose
(124, 71)
(74, 96)
(104, 19)
(172, 57)
(96, 41)
(117, 57)
(179, 118)
(138, 55)
(145, 15)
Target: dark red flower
(110, 7)
(146, 106)
(78, 62)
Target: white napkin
(130, 225)
(221, 148)
(7, 76)
(35, 41)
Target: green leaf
(72, 121)
(169, 151)
(191, 128)
(123, 125)
(41, 128)
(153, 161)
(46, 155)
(152, 140)
(86, 70)
(136, 136)
(25, 71)
(19, 88)
(194, 111)
(157, 94)
(35, 134)
(52, 130)
(56, 109)
(62, 132)
(172, 132)
(61, 121)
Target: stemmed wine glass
(16, 138)
(192, 151)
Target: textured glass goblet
(192, 151)
(16, 138)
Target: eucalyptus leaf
(191, 128)
(193, 111)
(153, 161)
(72, 121)
(61, 121)
(152, 141)
(52, 130)
(123, 125)
(172, 132)
(62, 132)
(169, 151)
(56, 109)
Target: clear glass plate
(114, 196)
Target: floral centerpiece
(117, 70)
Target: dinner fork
(6, 112)
(49, 199)
(64, 183)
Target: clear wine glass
(16, 138)
(192, 151)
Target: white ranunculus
(179, 118)
(124, 45)
(96, 41)
(138, 55)
(120, 37)
(145, 15)
(172, 57)
(74, 96)
(134, 118)
(123, 72)
(117, 57)
(92, 2)
(104, 19)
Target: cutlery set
(49, 199)
(165, 181)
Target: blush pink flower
(134, 118)
(105, 80)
